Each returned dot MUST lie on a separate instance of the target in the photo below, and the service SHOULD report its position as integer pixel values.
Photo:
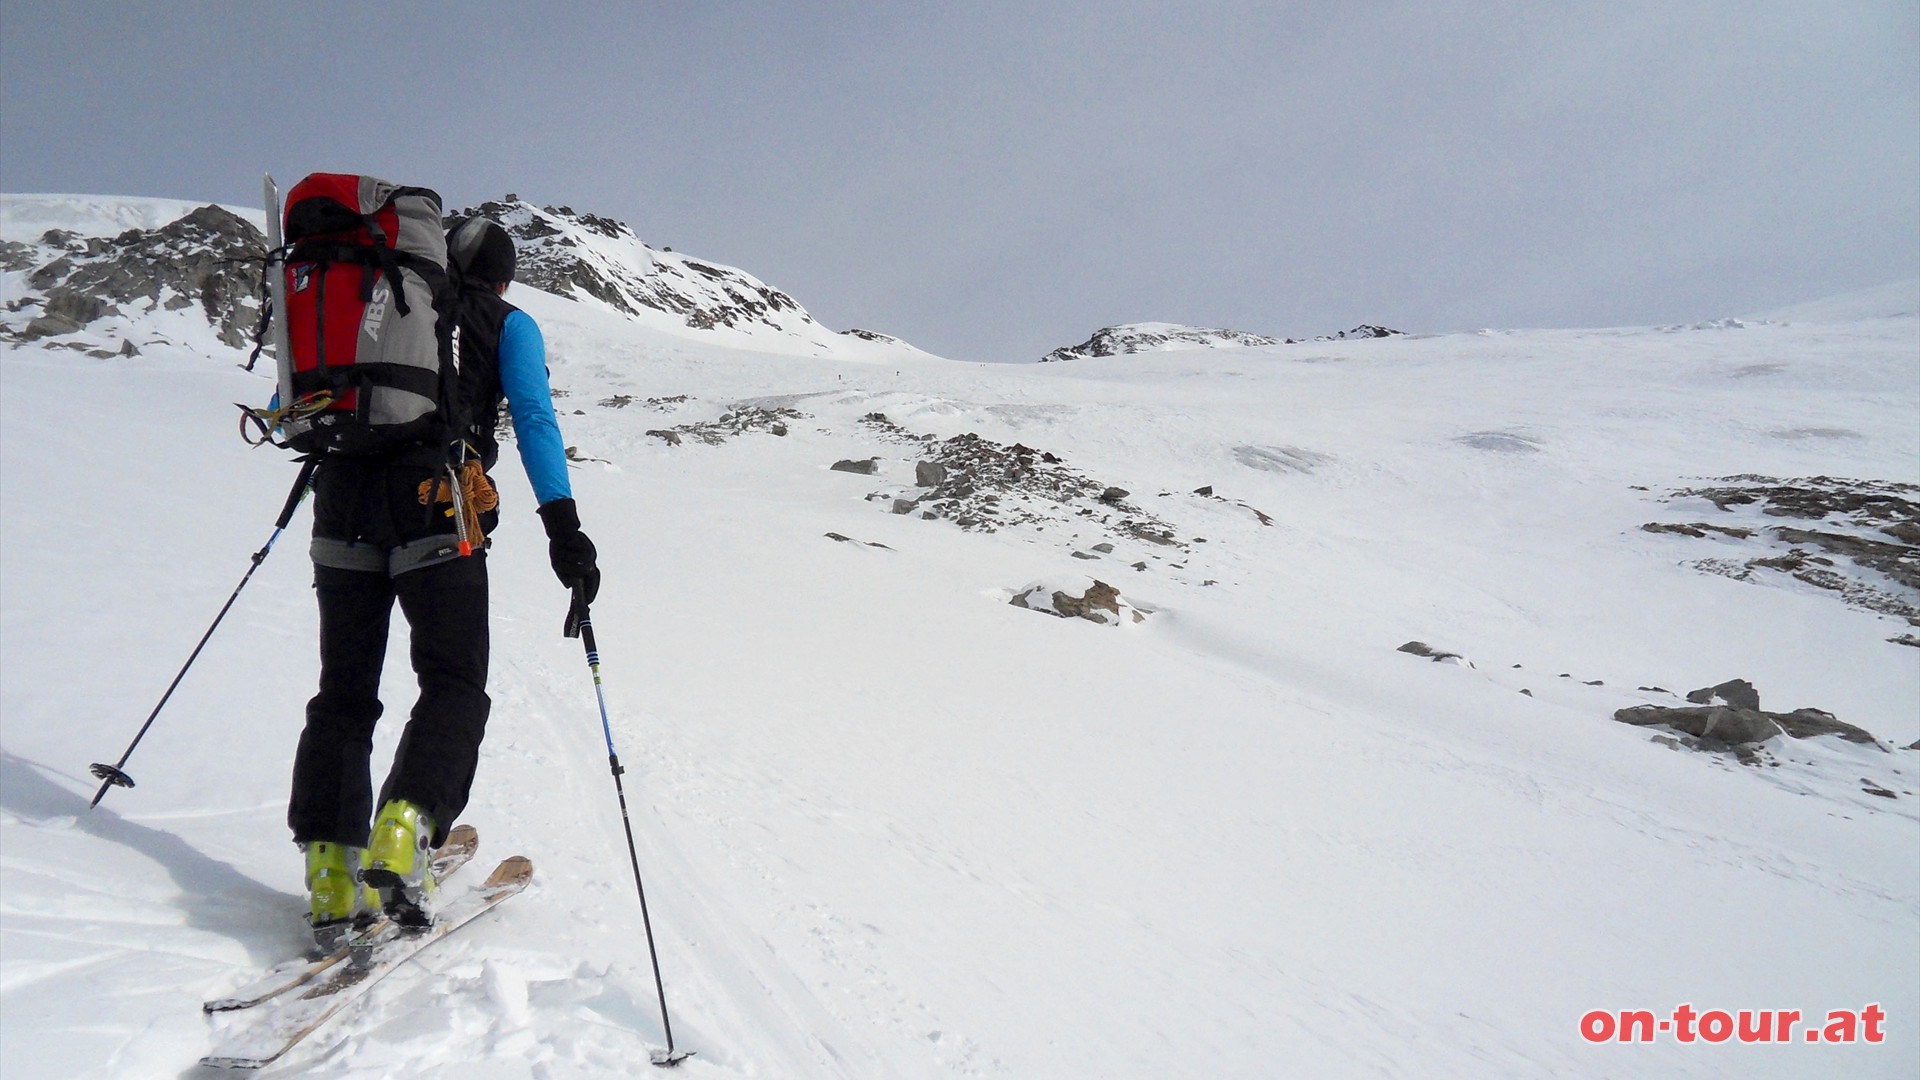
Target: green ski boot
(399, 863)
(336, 904)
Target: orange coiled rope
(476, 497)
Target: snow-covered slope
(894, 825)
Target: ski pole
(580, 625)
(114, 775)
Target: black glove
(568, 548)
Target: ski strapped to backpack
(364, 330)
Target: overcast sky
(991, 180)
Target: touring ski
(461, 843)
(261, 1036)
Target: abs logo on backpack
(376, 311)
(368, 317)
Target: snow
(1898, 300)
(893, 826)
(25, 217)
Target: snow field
(892, 826)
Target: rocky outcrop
(1859, 539)
(734, 422)
(1719, 722)
(1364, 330)
(1421, 648)
(984, 485)
(1151, 337)
(580, 255)
(1737, 693)
(1100, 603)
(1730, 725)
(209, 259)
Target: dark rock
(1727, 725)
(1739, 693)
(15, 255)
(905, 506)
(864, 467)
(1732, 724)
(1104, 549)
(1099, 597)
(1698, 529)
(1421, 648)
(1894, 560)
(1806, 723)
(1208, 490)
(1100, 601)
(672, 437)
(47, 326)
(1904, 531)
(1683, 530)
(1084, 555)
(1114, 495)
(78, 307)
(1872, 789)
(929, 474)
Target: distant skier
(385, 528)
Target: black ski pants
(375, 543)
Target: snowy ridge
(895, 824)
(1153, 336)
(108, 276)
(600, 261)
(1130, 338)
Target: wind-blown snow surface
(893, 826)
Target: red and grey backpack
(365, 317)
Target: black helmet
(482, 250)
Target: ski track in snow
(892, 826)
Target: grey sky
(990, 180)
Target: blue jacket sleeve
(523, 375)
